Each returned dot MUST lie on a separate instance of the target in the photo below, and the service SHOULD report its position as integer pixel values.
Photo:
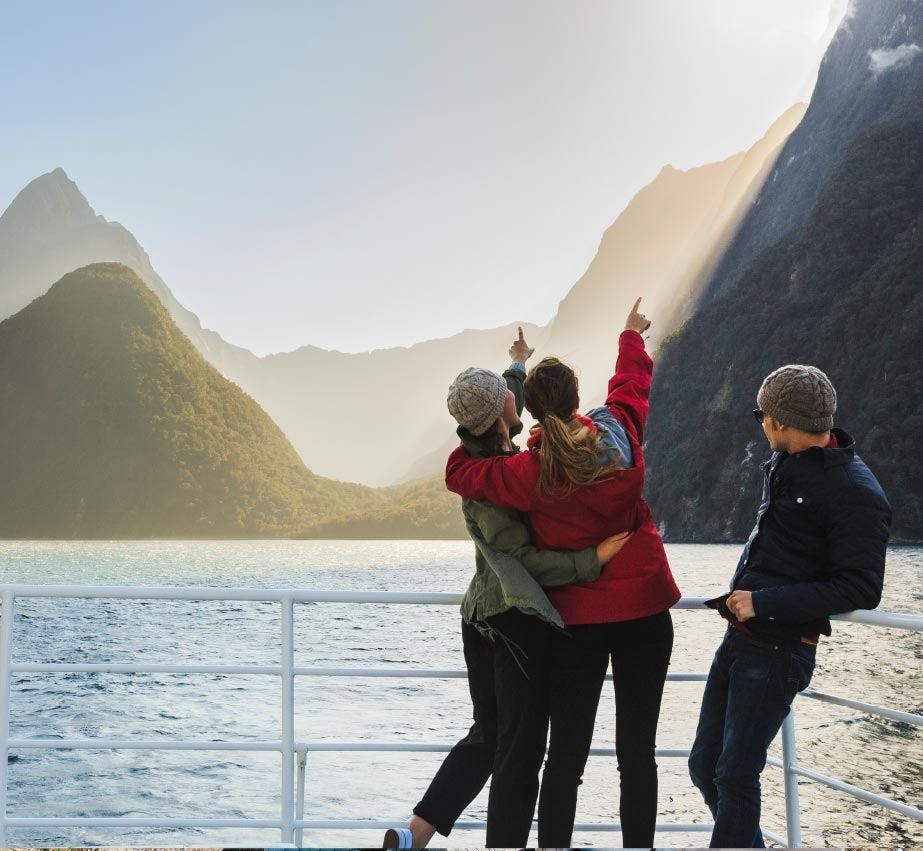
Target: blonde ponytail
(569, 451)
(569, 456)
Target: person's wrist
(588, 565)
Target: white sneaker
(398, 837)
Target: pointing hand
(520, 350)
(637, 321)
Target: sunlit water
(876, 665)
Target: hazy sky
(361, 174)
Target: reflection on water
(876, 665)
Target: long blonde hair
(569, 451)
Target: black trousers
(640, 654)
(509, 694)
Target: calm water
(877, 665)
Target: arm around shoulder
(507, 533)
(505, 480)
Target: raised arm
(508, 480)
(515, 375)
(630, 387)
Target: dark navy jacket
(818, 547)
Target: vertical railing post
(6, 649)
(288, 721)
(299, 800)
(789, 763)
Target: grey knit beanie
(476, 398)
(799, 396)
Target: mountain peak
(51, 201)
(102, 279)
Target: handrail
(440, 598)
(867, 708)
(863, 794)
(291, 822)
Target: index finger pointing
(637, 304)
(521, 338)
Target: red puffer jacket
(637, 582)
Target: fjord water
(873, 664)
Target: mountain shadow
(845, 293)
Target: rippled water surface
(877, 665)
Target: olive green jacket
(509, 571)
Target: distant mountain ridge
(50, 229)
(663, 245)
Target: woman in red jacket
(580, 480)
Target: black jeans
(749, 692)
(640, 653)
(507, 739)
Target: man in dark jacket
(817, 549)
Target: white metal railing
(291, 822)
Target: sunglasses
(758, 415)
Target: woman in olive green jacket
(507, 625)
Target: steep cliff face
(844, 292)
(842, 288)
(871, 72)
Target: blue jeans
(749, 692)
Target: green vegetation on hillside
(845, 292)
(113, 425)
(418, 510)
